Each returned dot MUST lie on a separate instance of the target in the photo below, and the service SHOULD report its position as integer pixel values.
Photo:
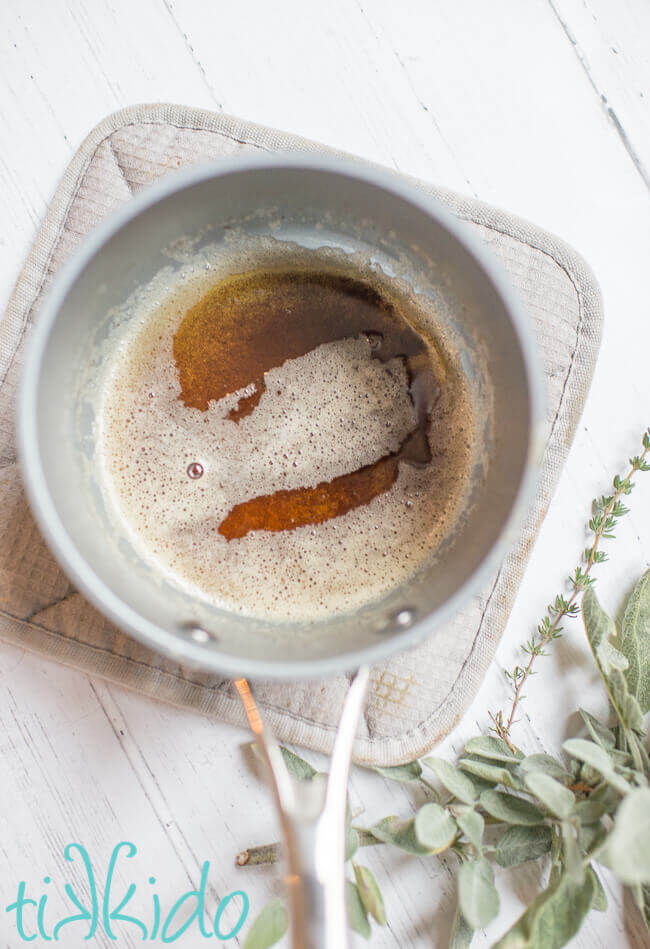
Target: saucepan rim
(84, 577)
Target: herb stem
(431, 788)
(271, 853)
(253, 856)
(607, 510)
(634, 750)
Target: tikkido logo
(103, 910)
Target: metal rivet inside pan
(198, 633)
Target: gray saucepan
(315, 202)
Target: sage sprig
(498, 805)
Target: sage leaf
(472, 825)
(574, 772)
(645, 906)
(457, 783)
(400, 833)
(297, 767)
(590, 812)
(621, 758)
(366, 837)
(635, 642)
(554, 917)
(611, 657)
(480, 784)
(351, 842)
(477, 895)
(520, 844)
(435, 828)
(510, 808)
(598, 759)
(590, 836)
(590, 753)
(599, 900)
(600, 630)
(600, 733)
(606, 796)
(545, 763)
(611, 663)
(627, 850)
(461, 932)
(570, 852)
(556, 860)
(641, 895)
(492, 773)
(640, 756)
(402, 773)
(492, 748)
(357, 915)
(589, 776)
(351, 836)
(625, 705)
(553, 795)
(370, 894)
(269, 926)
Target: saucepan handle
(312, 816)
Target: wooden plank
(318, 70)
(64, 66)
(611, 42)
(67, 776)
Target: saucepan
(316, 203)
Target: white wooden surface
(539, 106)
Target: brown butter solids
(286, 510)
(251, 323)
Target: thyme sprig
(606, 513)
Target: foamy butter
(173, 473)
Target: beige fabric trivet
(415, 698)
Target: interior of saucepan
(315, 206)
